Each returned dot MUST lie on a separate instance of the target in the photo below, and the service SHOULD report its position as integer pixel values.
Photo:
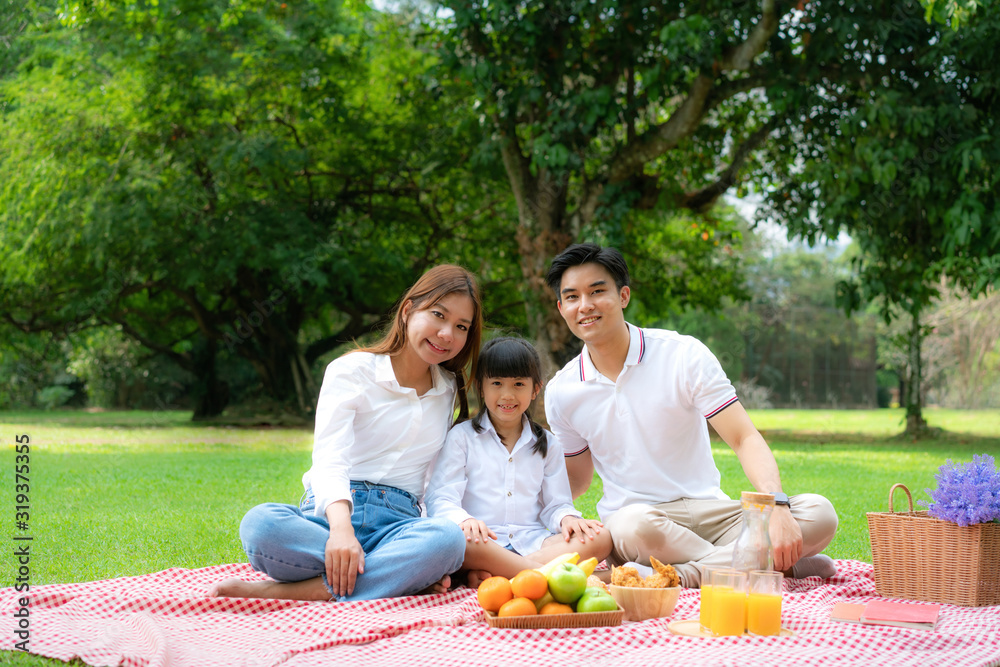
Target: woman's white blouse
(369, 428)
(520, 495)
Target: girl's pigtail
(541, 445)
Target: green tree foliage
(216, 178)
(904, 161)
(788, 343)
(608, 108)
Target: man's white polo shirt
(647, 431)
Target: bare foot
(440, 586)
(310, 589)
(477, 577)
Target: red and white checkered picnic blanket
(164, 619)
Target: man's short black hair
(587, 253)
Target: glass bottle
(752, 549)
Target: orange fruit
(555, 608)
(530, 584)
(517, 607)
(493, 593)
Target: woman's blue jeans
(404, 552)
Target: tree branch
(704, 199)
(183, 360)
(741, 56)
(355, 327)
(703, 95)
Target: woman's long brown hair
(434, 285)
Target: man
(635, 406)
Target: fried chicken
(627, 577)
(664, 577)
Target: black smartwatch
(781, 499)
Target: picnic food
(555, 608)
(588, 566)
(567, 583)
(593, 581)
(595, 599)
(493, 593)
(554, 588)
(530, 584)
(572, 557)
(517, 607)
(665, 576)
(626, 576)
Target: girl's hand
(584, 528)
(476, 531)
(345, 560)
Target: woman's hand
(476, 531)
(344, 558)
(584, 528)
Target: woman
(382, 416)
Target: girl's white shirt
(369, 428)
(520, 495)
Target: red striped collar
(636, 351)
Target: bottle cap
(753, 498)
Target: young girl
(503, 479)
(382, 416)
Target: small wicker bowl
(643, 603)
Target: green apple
(599, 601)
(593, 590)
(567, 583)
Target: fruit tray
(590, 619)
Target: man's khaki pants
(691, 534)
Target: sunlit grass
(116, 494)
(878, 423)
(126, 493)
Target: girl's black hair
(509, 357)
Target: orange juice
(705, 615)
(729, 611)
(764, 614)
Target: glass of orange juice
(764, 603)
(729, 602)
(707, 593)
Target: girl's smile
(506, 399)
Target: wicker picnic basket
(587, 619)
(918, 557)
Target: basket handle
(909, 498)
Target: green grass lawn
(126, 493)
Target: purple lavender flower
(967, 493)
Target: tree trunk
(916, 427)
(211, 392)
(542, 233)
(283, 371)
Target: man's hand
(476, 531)
(584, 528)
(345, 560)
(786, 538)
